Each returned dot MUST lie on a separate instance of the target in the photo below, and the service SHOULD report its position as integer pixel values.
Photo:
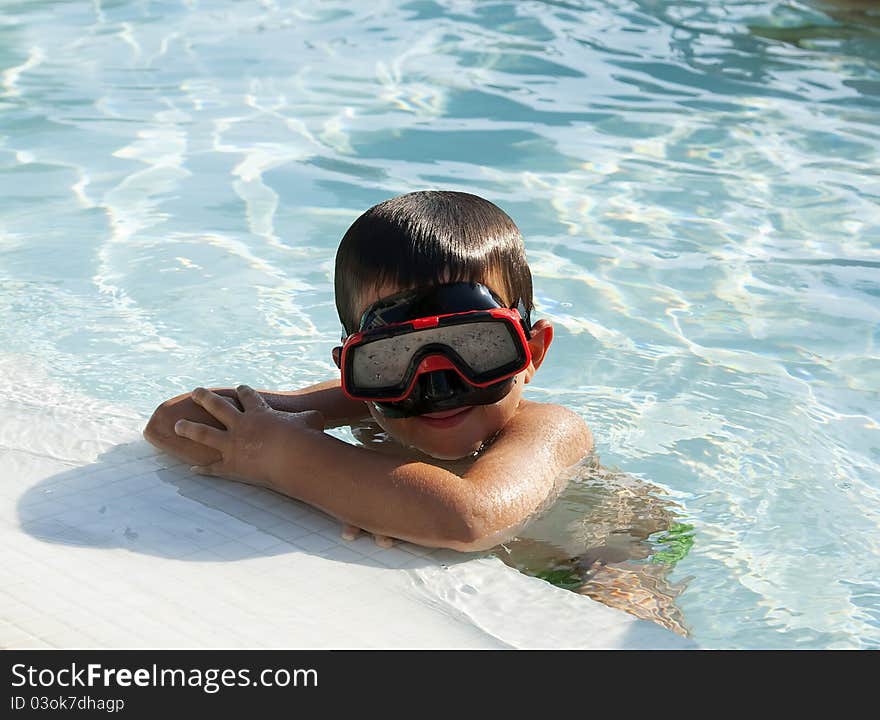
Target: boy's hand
(242, 444)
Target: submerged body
(600, 533)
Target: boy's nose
(438, 384)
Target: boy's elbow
(466, 535)
(475, 544)
(477, 535)
(446, 522)
(469, 530)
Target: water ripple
(697, 183)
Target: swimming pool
(697, 184)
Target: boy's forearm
(326, 397)
(412, 501)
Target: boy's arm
(326, 397)
(413, 501)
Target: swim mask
(430, 350)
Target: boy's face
(458, 433)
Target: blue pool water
(697, 182)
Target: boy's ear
(539, 342)
(336, 353)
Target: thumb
(350, 532)
(211, 470)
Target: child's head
(425, 239)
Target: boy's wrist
(285, 448)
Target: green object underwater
(676, 543)
(566, 579)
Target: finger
(350, 532)
(204, 434)
(383, 541)
(250, 398)
(218, 406)
(210, 470)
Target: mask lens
(381, 363)
(481, 347)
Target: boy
(435, 296)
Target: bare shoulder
(553, 429)
(522, 468)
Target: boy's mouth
(449, 418)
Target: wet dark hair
(412, 240)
